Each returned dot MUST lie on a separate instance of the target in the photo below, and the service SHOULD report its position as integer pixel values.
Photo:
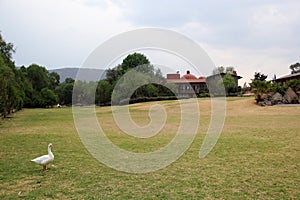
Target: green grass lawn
(256, 157)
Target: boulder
(276, 98)
(298, 93)
(290, 96)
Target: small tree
(260, 77)
(219, 70)
(228, 82)
(295, 68)
(260, 86)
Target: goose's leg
(44, 168)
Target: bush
(294, 84)
(204, 94)
(278, 87)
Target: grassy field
(256, 157)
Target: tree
(48, 97)
(38, 77)
(69, 80)
(53, 80)
(11, 95)
(103, 92)
(260, 86)
(219, 70)
(134, 60)
(229, 70)
(6, 76)
(228, 82)
(64, 91)
(141, 73)
(113, 75)
(260, 77)
(295, 68)
(6, 49)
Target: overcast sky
(251, 35)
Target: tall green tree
(53, 80)
(48, 98)
(134, 60)
(38, 77)
(6, 50)
(64, 91)
(103, 92)
(143, 73)
(11, 95)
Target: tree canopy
(221, 70)
(295, 68)
(229, 84)
(139, 71)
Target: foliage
(38, 77)
(141, 80)
(64, 91)
(295, 68)
(278, 87)
(221, 70)
(229, 84)
(229, 70)
(260, 87)
(6, 49)
(134, 60)
(260, 77)
(294, 84)
(84, 92)
(103, 92)
(11, 93)
(49, 98)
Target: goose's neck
(50, 152)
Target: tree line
(29, 87)
(34, 86)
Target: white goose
(45, 159)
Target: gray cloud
(250, 34)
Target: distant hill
(86, 74)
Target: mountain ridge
(86, 74)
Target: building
(213, 79)
(288, 77)
(188, 85)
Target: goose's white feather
(45, 159)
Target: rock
(268, 103)
(298, 93)
(290, 96)
(276, 98)
(264, 97)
